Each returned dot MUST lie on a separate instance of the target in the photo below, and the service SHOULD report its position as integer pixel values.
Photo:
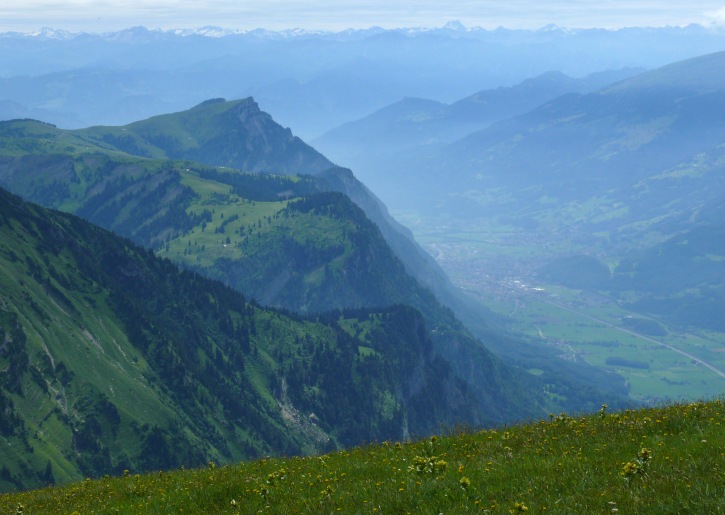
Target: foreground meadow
(657, 460)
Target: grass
(657, 460)
(205, 246)
(56, 339)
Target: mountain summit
(236, 134)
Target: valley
(498, 265)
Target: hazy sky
(105, 15)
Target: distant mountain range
(413, 126)
(311, 82)
(650, 131)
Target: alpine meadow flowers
(669, 459)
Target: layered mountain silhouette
(310, 81)
(641, 129)
(408, 126)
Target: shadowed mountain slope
(115, 359)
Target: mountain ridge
(177, 136)
(115, 359)
(293, 156)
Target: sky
(109, 15)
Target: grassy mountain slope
(659, 460)
(115, 359)
(241, 228)
(694, 292)
(237, 134)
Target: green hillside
(114, 359)
(694, 292)
(284, 240)
(238, 135)
(657, 460)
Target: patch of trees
(263, 187)
(13, 354)
(685, 262)
(221, 228)
(703, 308)
(329, 204)
(128, 143)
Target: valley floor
(498, 268)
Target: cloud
(717, 17)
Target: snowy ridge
(130, 33)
